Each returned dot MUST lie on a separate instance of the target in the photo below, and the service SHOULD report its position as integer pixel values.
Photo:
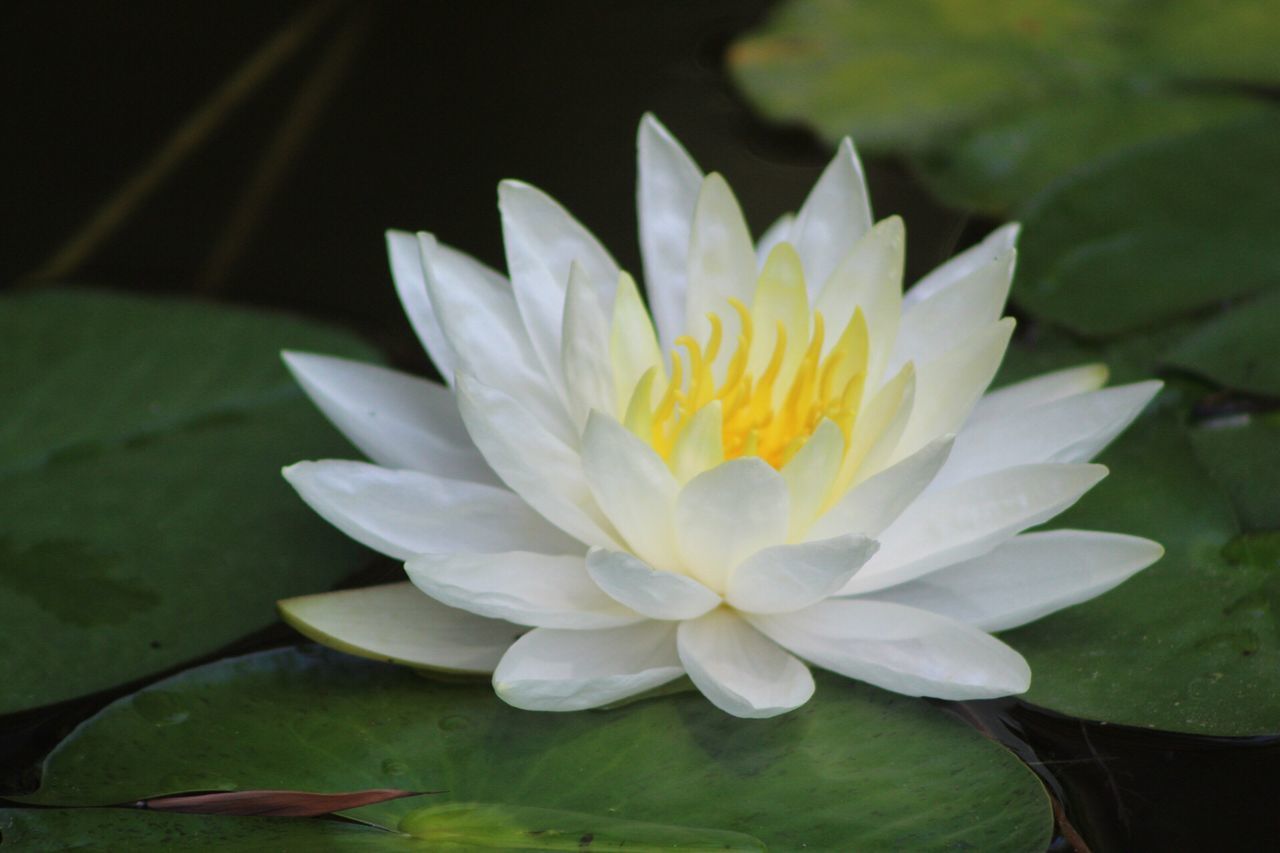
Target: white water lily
(797, 467)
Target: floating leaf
(274, 803)
(143, 519)
(1243, 455)
(996, 100)
(1240, 348)
(854, 767)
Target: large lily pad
(1239, 349)
(1158, 234)
(1243, 455)
(143, 520)
(1191, 644)
(855, 768)
(996, 100)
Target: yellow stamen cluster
(770, 415)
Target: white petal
(634, 487)
(942, 322)
(809, 476)
(646, 590)
(584, 354)
(403, 513)
(549, 670)
(776, 233)
(482, 324)
(740, 671)
(790, 577)
(397, 623)
(1073, 429)
(633, 344)
(542, 241)
(1039, 390)
(834, 216)
(727, 514)
(972, 518)
(722, 262)
(900, 649)
(537, 465)
(397, 420)
(411, 285)
(666, 195)
(948, 387)
(1029, 576)
(529, 589)
(874, 504)
(962, 265)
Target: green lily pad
(1191, 644)
(1240, 348)
(143, 519)
(1157, 234)
(1243, 454)
(856, 766)
(154, 832)
(996, 100)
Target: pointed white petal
(834, 216)
(875, 503)
(1029, 576)
(1045, 388)
(646, 590)
(962, 265)
(727, 514)
(665, 198)
(540, 590)
(537, 465)
(776, 233)
(397, 623)
(948, 387)
(791, 577)
(549, 670)
(397, 420)
(403, 513)
(722, 262)
(584, 353)
(900, 649)
(634, 487)
(970, 519)
(740, 671)
(633, 345)
(479, 318)
(810, 474)
(1073, 429)
(411, 285)
(932, 327)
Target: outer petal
(483, 326)
(740, 671)
(634, 487)
(970, 519)
(646, 590)
(900, 649)
(398, 623)
(785, 578)
(722, 262)
(665, 198)
(874, 504)
(539, 467)
(964, 264)
(1042, 389)
(403, 513)
(835, 214)
(549, 670)
(395, 419)
(1073, 429)
(584, 349)
(1029, 576)
(727, 514)
(411, 285)
(528, 589)
(542, 241)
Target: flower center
(766, 397)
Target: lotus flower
(792, 464)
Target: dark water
(123, 169)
